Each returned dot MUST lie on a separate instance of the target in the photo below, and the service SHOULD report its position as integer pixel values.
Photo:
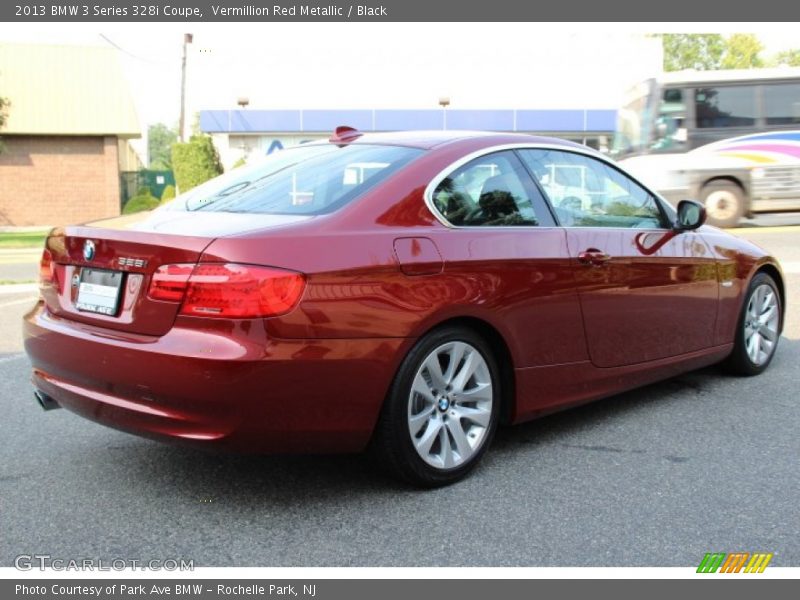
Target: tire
(428, 436)
(724, 202)
(752, 355)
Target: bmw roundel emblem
(88, 250)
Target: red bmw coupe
(408, 292)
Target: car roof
(428, 140)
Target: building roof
(428, 139)
(322, 121)
(65, 90)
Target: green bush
(168, 194)
(143, 200)
(195, 162)
(239, 163)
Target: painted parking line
(19, 288)
(12, 358)
(29, 300)
(790, 267)
(760, 230)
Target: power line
(141, 58)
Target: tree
(742, 52)
(790, 58)
(159, 146)
(709, 51)
(701, 51)
(195, 162)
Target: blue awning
(314, 121)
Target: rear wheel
(758, 329)
(724, 202)
(442, 410)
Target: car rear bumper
(220, 385)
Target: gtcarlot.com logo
(28, 562)
(737, 562)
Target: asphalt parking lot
(656, 477)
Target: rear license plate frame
(99, 291)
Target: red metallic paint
(637, 305)
(380, 273)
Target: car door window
(488, 191)
(587, 192)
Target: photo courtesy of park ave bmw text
(398, 298)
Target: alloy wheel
(450, 405)
(761, 324)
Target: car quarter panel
(519, 280)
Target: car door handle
(593, 257)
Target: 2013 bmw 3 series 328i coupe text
(404, 292)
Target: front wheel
(758, 328)
(724, 202)
(442, 409)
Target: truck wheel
(724, 202)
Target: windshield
(634, 121)
(305, 180)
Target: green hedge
(195, 162)
(143, 200)
(168, 194)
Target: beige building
(66, 136)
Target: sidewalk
(19, 265)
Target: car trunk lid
(102, 271)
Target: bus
(730, 139)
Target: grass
(16, 281)
(23, 239)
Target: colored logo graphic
(737, 562)
(760, 149)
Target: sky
(383, 65)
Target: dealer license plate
(99, 291)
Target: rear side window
(307, 180)
(488, 191)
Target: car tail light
(169, 282)
(47, 276)
(228, 290)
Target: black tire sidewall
(395, 437)
(739, 360)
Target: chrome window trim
(434, 183)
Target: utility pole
(444, 102)
(187, 39)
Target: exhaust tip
(45, 401)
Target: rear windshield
(305, 180)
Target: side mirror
(691, 215)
